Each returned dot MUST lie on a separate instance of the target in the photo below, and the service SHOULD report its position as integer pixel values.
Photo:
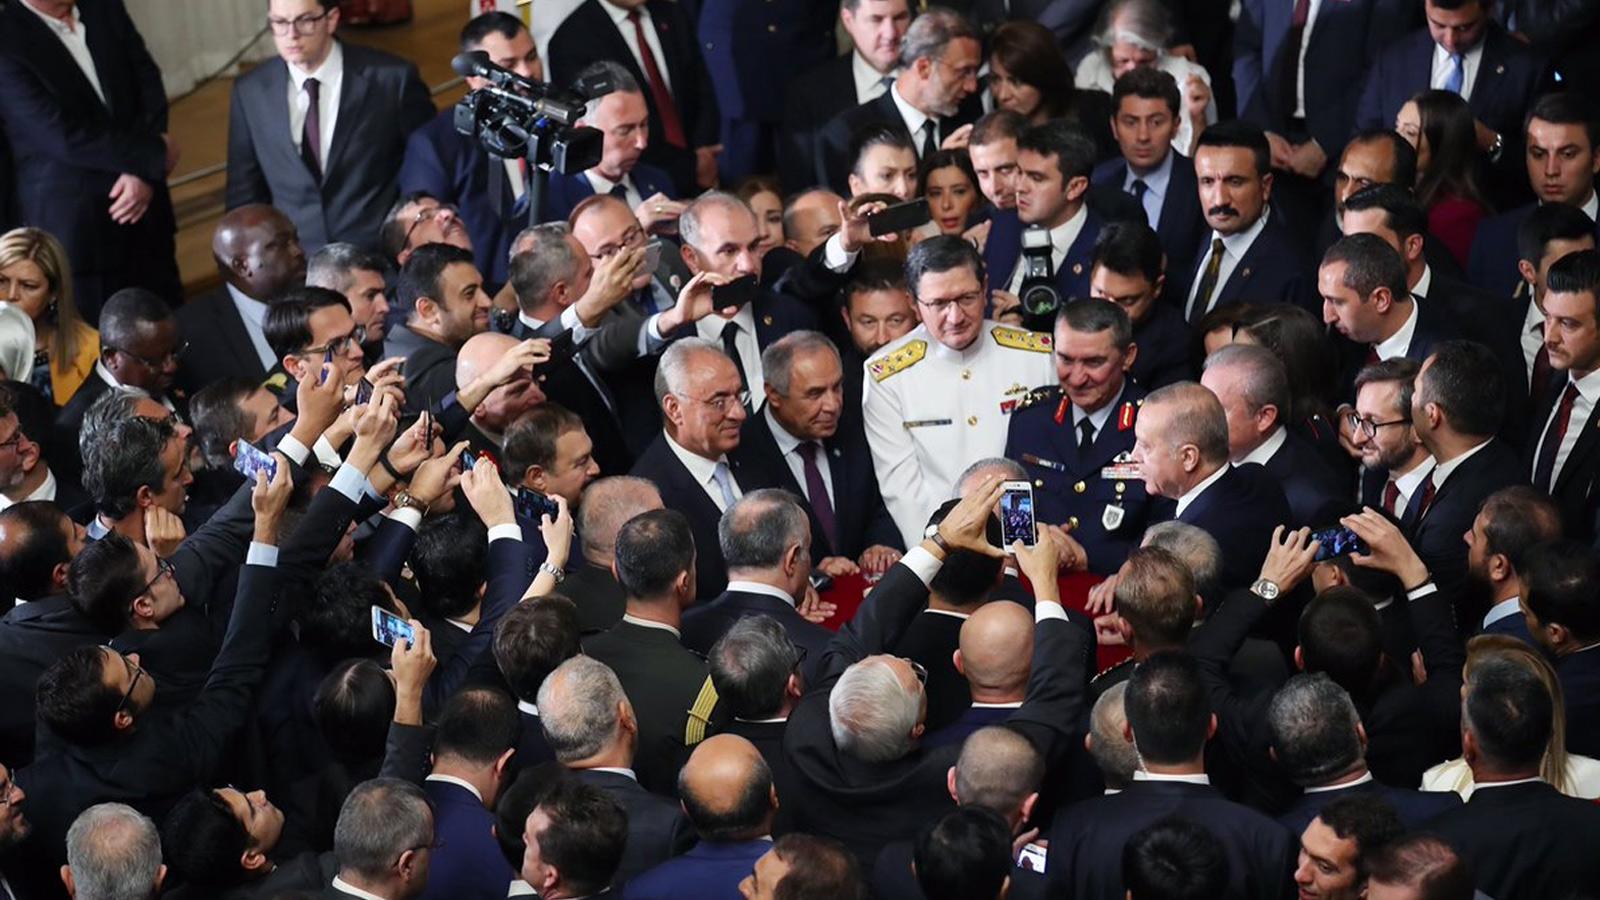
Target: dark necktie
(1372, 355)
(1545, 467)
(1539, 384)
(1428, 490)
(1085, 436)
(619, 191)
(930, 143)
(311, 133)
(1208, 283)
(1138, 189)
(817, 493)
(1290, 85)
(671, 125)
(1391, 496)
(730, 346)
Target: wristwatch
(932, 534)
(552, 571)
(1266, 590)
(404, 500)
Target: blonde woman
(1569, 773)
(35, 277)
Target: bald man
(504, 404)
(259, 257)
(728, 794)
(996, 647)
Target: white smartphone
(1016, 513)
(1032, 858)
(388, 628)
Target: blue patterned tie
(1458, 74)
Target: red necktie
(1290, 84)
(1372, 355)
(1427, 496)
(1550, 447)
(671, 125)
(1391, 496)
(1539, 384)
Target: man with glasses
(25, 473)
(942, 396)
(347, 111)
(624, 119)
(1393, 461)
(259, 257)
(314, 335)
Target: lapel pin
(1500, 70)
(1245, 272)
(766, 320)
(1077, 268)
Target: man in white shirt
(1362, 281)
(1054, 162)
(1563, 451)
(1549, 233)
(623, 118)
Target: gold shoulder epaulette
(1037, 396)
(1022, 339)
(899, 360)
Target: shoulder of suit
(1021, 339)
(891, 362)
(1042, 396)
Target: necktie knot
(1085, 434)
(619, 191)
(1138, 188)
(724, 479)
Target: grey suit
(381, 101)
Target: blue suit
(1003, 250)
(710, 871)
(456, 169)
(1163, 338)
(564, 192)
(469, 862)
(1492, 264)
(1182, 224)
(1511, 626)
(1240, 510)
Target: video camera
(1038, 293)
(518, 118)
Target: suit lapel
(1584, 448)
(231, 328)
(103, 50)
(1491, 66)
(50, 57)
(273, 104)
(352, 99)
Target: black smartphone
(530, 505)
(1337, 541)
(563, 349)
(734, 294)
(468, 460)
(899, 217)
(821, 581)
(327, 366)
(363, 392)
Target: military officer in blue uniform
(1076, 439)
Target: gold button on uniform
(1121, 487)
(1038, 482)
(966, 374)
(972, 420)
(1072, 523)
(1080, 487)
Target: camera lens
(1040, 299)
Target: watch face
(1266, 589)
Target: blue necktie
(1458, 74)
(724, 480)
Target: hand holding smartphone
(531, 505)
(1016, 514)
(249, 460)
(389, 629)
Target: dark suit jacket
(859, 515)
(588, 35)
(32, 636)
(1436, 323)
(1576, 489)
(600, 599)
(892, 877)
(1086, 840)
(657, 827)
(1580, 686)
(564, 192)
(1436, 534)
(707, 870)
(1002, 253)
(68, 147)
(705, 623)
(974, 718)
(832, 158)
(751, 53)
(814, 98)
(1415, 808)
(1270, 272)
(1308, 484)
(1182, 224)
(381, 101)
(1240, 510)
(1525, 841)
(1511, 626)
(1163, 338)
(219, 345)
(469, 864)
(457, 169)
(679, 491)
(1492, 264)
(931, 640)
(430, 368)
(768, 738)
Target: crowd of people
(1192, 492)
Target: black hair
(1510, 714)
(941, 253)
(585, 837)
(1405, 155)
(1167, 708)
(1370, 262)
(477, 725)
(967, 577)
(1566, 108)
(532, 639)
(1402, 213)
(867, 137)
(1174, 859)
(219, 418)
(1341, 634)
(652, 550)
(1074, 151)
(966, 854)
(1549, 222)
(1146, 84)
(449, 559)
(35, 542)
(202, 840)
(74, 701)
(1559, 579)
(422, 272)
(1576, 273)
(1130, 248)
(1516, 519)
(479, 27)
(104, 579)
(287, 325)
(746, 819)
(1366, 818)
(352, 708)
(1237, 133)
(338, 622)
(1464, 380)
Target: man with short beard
(14, 826)
(1509, 524)
(1394, 462)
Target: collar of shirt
(787, 443)
(100, 367)
(451, 779)
(1480, 785)
(766, 590)
(939, 349)
(1062, 236)
(949, 612)
(1142, 775)
(603, 185)
(1505, 609)
(328, 75)
(1442, 65)
(1268, 447)
(1365, 778)
(1424, 282)
(1533, 323)
(1236, 245)
(1098, 417)
(45, 491)
(700, 468)
(1155, 180)
(342, 885)
(1442, 470)
(526, 707)
(1591, 206)
(58, 26)
(614, 769)
(1396, 345)
(773, 721)
(1408, 482)
(646, 623)
(1013, 704)
(914, 118)
(710, 327)
(1190, 495)
(869, 81)
(254, 315)
(520, 888)
(1588, 386)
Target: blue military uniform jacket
(1099, 494)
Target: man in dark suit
(1563, 443)
(394, 864)
(455, 167)
(731, 799)
(1464, 51)
(442, 297)
(760, 583)
(100, 755)
(809, 443)
(529, 643)
(655, 41)
(1130, 269)
(1170, 720)
(939, 61)
(1319, 742)
(623, 117)
(1550, 232)
(995, 645)
(205, 821)
(1365, 298)
(85, 115)
(259, 256)
(667, 682)
(1456, 409)
(594, 731)
(1249, 254)
(1145, 106)
(1563, 156)
(863, 779)
(1511, 522)
(1181, 449)
(756, 670)
(1524, 838)
(1054, 161)
(477, 734)
(320, 132)
(1563, 619)
(1253, 387)
(27, 418)
(876, 28)
(607, 504)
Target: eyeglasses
(722, 402)
(965, 301)
(917, 669)
(302, 25)
(135, 672)
(1370, 428)
(428, 214)
(8, 792)
(631, 238)
(164, 569)
(158, 363)
(15, 439)
(336, 346)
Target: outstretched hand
(966, 526)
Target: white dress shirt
(789, 447)
(1582, 408)
(1408, 483)
(104, 374)
(45, 491)
(915, 119)
(254, 314)
(1532, 336)
(352, 890)
(1443, 470)
(1234, 247)
(1142, 775)
(1193, 493)
(1505, 609)
(765, 590)
(1424, 282)
(603, 185)
(1268, 447)
(74, 36)
(710, 328)
(869, 81)
(1366, 778)
(1061, 239)
(1443, 65)
(1300, 70)
(1396, 345)
(1155, 183)
(625, 27)
(1097, 418)
(703, 471)
(458, 782)
(330, 78)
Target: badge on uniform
(1122, 468)
(1125, 416)
(1047, 463)
(1111, 517)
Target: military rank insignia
(898, 361)
(1125, 416)
(1022, 339)
(1111, 517)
